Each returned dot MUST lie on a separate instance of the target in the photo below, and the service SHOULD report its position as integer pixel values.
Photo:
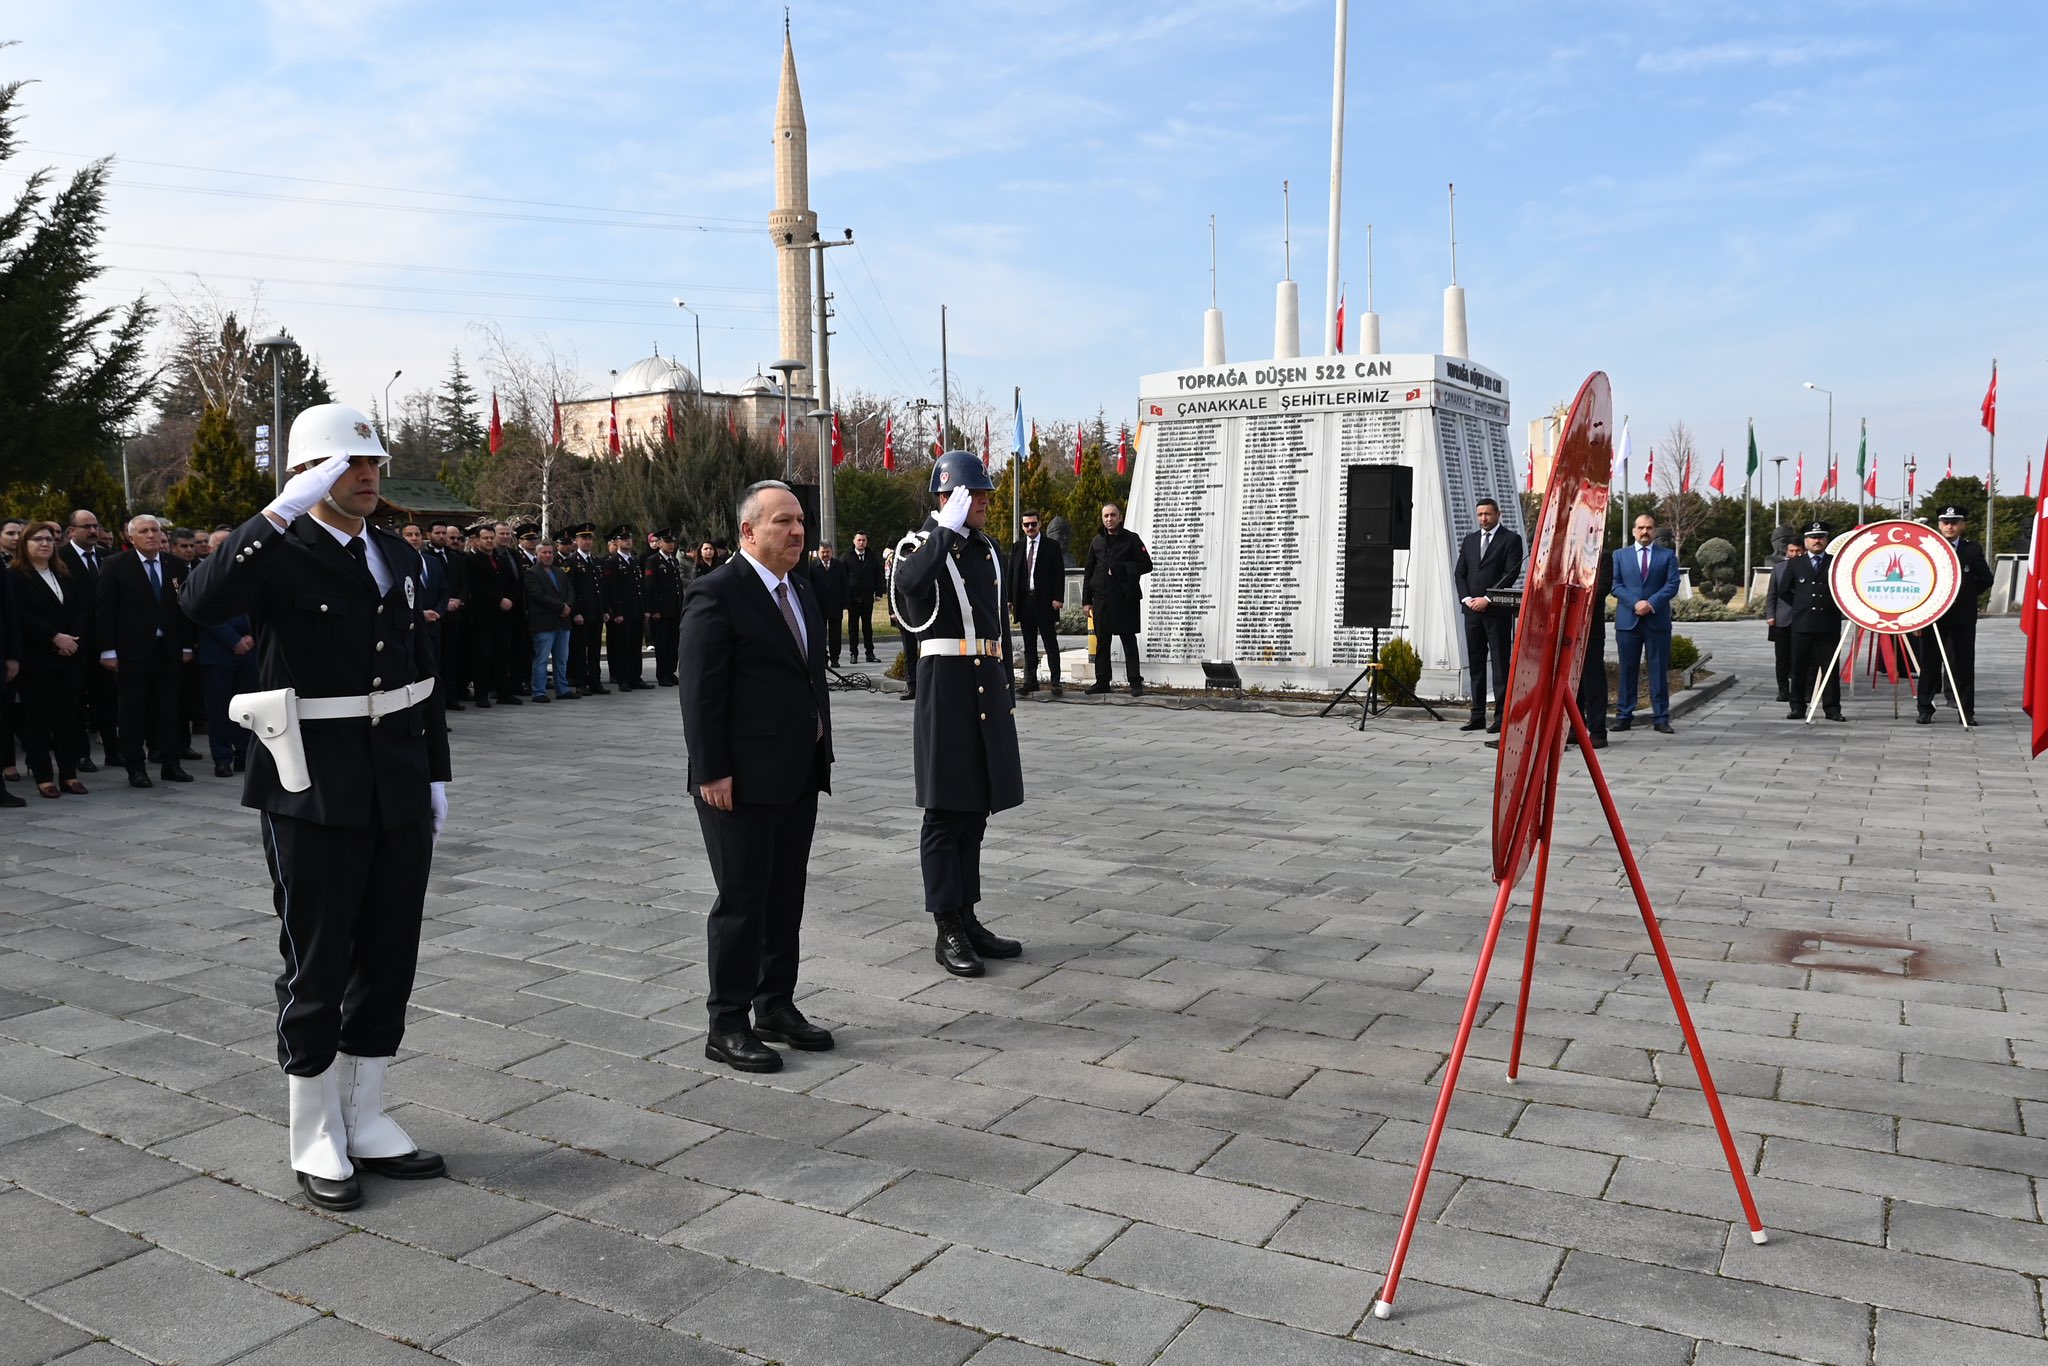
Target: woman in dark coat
(55, 610)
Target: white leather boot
(371, 1132)
(319, 1135)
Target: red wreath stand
(1558, 614)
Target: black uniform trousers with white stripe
(349, 906)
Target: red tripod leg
(1535, 905)
(1384, 1305)
(1692, 1038)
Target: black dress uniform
(1958, 630)
(1816, 624)
(486, 622)
(619, 586)
(586, 600)
(661, 596)
(966, 758)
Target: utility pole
(828, 516)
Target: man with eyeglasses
(1038, 571)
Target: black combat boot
(986, 943)
(954, 951)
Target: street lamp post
(824, 528)
(700, 344)
(1778, 502)
(390, 431)
(1831, 449)
(276, 344)
(787, 368)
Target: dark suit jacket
(322, 629)
(1035, 604)
(863, 574)
(830, 583)
(1499, 568)
(547, 593)
(128, 613)
(1630, 587)
(752, 703)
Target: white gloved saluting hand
(953, 512)
(437, 799)
(304, 490)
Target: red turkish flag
(1870, 480)
(1719, 483)
(1799, 477)
(1951, 468)
(613, 440)
(555, 439)
(782, 431)
(1078, 448)
(1650, 470)
(1911, 470)
(732, 423)
(1827, 483)
(889, 445)
(671, 417)
(1685, 476)
(1989, 408)
(497, 427)
(838, 450)
(1123, 451)
(2034, 621)
(1340, 323)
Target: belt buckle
(370, 701)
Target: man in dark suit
(85, 558)
(489, 613)
(1038, 582)
(1490, 558)
(145, 640)
(759, 729)
(225, 655)
(515, 554)
(444, 549)
(1957, 628)
(828, 581)
(865, 580)
(1645, 584)
(586, 616)
(1816, 628)
(661, 598)
(1778, 609)
(619, 585)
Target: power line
(473, 315)
(665, 308)
(884, 299)
(385, 207)
(669, 285)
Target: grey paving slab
(1442, 1324)
(396, 1290)
(928, 1146)
(1073, 1314)
(1260, 1282)
(784, 1171)
(222, 1226)
(1029, 1229)
(48, 1243)
(334, 1342)
(547, 1330)
(1812, 1327)
(804, 1325)
(166, 1308)
(607, 1190)
(830, 1249)
(606, 1268)
(1909, 1340)
(30, 1337)
(1195, 1204)
(1219, 1339)
(84, 1170)
(134, 1112)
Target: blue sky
(1712, 202)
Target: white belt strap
(934, 649)
(370, 705)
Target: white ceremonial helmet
(332, 429)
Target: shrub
(1700, 608)
(1400, 671)
(1684, 654)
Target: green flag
(1862, 453)
(1753, 462)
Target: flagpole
(1991, 467)
(1748, 509)
(1016, 467)
(1862, 465)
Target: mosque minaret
(792, 216)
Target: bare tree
(1683, 509)
(526, 476)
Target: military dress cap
(526, 529)
(622, 533)
(583, 529)
(475, 530)
(1952, 513)
(1819, 529)
(665, 534)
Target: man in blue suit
(1645, 582)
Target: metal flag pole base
(1383, 1305)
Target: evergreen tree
(458, 430)
(224, 485)
(303, 384)
(71, 380)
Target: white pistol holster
(274, 718)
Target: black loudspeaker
(1379, 504)
(807, 498)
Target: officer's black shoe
(1836, 716)
(1623, 723)
(954, 951)
(140, 779)
(482, 704)
(173, 774)
(1493, 726)
(1476, 723)
(987, 944)
(1662, 727)
(1097, 688)
(512, 701)
(873, 660)
(786, 1024)
(742, 1051)
(1784, 696)
(87, 766)
(223, 771)
(189, 754)
(1925, 718)
(1599, 742)
(1058, 690)
(1027, 688)
(453, 706)
(412, 1166)
(597, 690)
(346, 1193)
(1137, 687)
(542, 697)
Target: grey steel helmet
(960, 470)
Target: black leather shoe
(511, 701)
(482, 704)
(223, 771)
(1137, 688)
(1098, 688)
(1784, 696)
(453, 706)
(597, 690)
(191, 754)
(1027, 689)
(1662, 727)
(87, 766)
(1599, 742)
(1925, 718)
(1795, 715)
(873, 660)
(140, 780)
(1836, 716)
(742, 1051)
(541, 697)
(1474, 724)
(1623, 723)
(954, 951)
(412, 1166)
(346, 1193)
(786, 1024)
(1058, 691)
(986, 943)
(173, 774)
(1493, 728)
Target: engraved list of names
(1180, 592)
(1271, 521)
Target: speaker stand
(1372, 704)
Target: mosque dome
(655, 375)
(758, 386)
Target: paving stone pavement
(1179, 1129)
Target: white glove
(437, 799)
(953, 512)
(304, 490)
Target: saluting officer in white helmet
(351, 780)
(946, 585)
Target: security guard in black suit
(661, 596)
(619, 585)
(1957, 627)
(351, 780)
(1816, 627)
(586, 613)
(947, 585)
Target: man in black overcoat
(1116, 560)
(828, 578)
(489, 611)
(758, 723)
(661, 598)
(966, 758)
(351, 815)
